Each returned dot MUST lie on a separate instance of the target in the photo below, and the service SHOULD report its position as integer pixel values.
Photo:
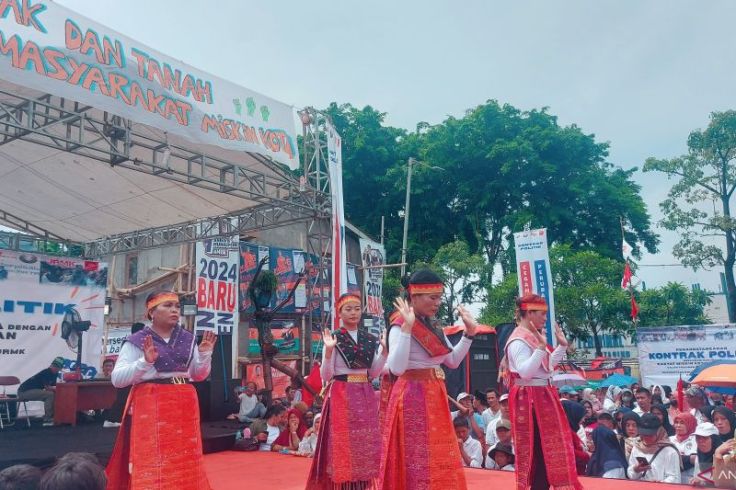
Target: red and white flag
(626, 280)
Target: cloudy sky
(638, 74)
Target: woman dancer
(159, 443)
(420, 450)
(348, 444)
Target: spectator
(494, 407)
(309, 442)
(608, 459)
(267, 429)
(290, 437)
(661, 412)
(695, 399)
(491, 438)
(317, 405)
(40, 387)
(590, 418)
(653, 458)
(714, 398)
(471, 451)
(250, 407)
(618, 416)
(643, 401)
(706, 413)
(296, 386)
(605, 419)
(630, 431)
(309, 419)
(502, 456)
(684, 441)
(75, 472)
(20, 477)
(613, 398)
(567, 393)
(590, 397)
(627, 398)
(575, 413)
(503, 436)
(706, 438)
(466, 408)
(107, 366)
(725, 421)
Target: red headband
(539, 305)
(349, 299)
(426, 288)
(161, 298)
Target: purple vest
(174, 355)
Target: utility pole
(406, 216)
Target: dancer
(159, 444)
(348, 444)
(420, 450)
(544, 448)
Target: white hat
(505, 396)
(706, 429)
(463, 395)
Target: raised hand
(329, 339)
(208, 341)
(384, 342)
(407, 312)
(471, 326)
(293, 425)
(150, 353)
(560, 336)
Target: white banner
(218, 264)
(373, 258)
(36, 292)
(535, 275)
(339, 255)
(668, 353)
(47, 47)
(114, 341)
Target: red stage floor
(233, 470)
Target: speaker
(217, 397)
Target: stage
(231, 470)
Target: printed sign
(372, 257)
(218, 263)
(535, 276)
(47, 47)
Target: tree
(462, 273)
(698, 205)
(672, 304)
(500, 303)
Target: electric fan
(72, 328)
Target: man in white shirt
(470, 450)
(250, 407)
(494, 407)
(491, 436)
(643, 401)
(652, 459)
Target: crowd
(631, 433)
(73, 471)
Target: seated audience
(684, 441)
(653, 458)
(267, 429)
(107, 366)
(309, 442)
(309, 418)
(471, 451)
(494, 407)
(40, 387)
(608, 459)
(20, 477)
(491, 438)
(503, 435)
(502, 456)
(250, 406)
(75, 471)
(292, 434)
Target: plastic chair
(5, 401)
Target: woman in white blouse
(684, 440)
(417, 432)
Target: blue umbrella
(618, 379)
(706, 365)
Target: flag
(634, 308)
(626, 250)
(626, 280)
(680, 395)
(314, 380)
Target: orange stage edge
(233, 470)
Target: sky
(637, 74)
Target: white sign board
(535, 275)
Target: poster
(249, 254)
(114, 340)
(667, 353)
(51, 48)
(535, 276)
(217, 267)
(339, 254)
(36, 293)
(285, 337)
(284, 264)
(254, 372)
(373, 258)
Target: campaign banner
(217, 267)
(37, 293)
(535, 275)
(288, 264)
(48, 47)
(254, 372)
(373, 259)
(114, 340)
(339, 254)
(668, 353)
(285, 337)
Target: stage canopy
(102, 137)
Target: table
(74, 397)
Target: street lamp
(410, 163)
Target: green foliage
(266, 282)
(672, 304)
(500, 301)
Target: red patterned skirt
(420, 450)
(159, 446)
(526, 404)
(385, 393)
(348, 449)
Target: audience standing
(608, 459)
(653, 458)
